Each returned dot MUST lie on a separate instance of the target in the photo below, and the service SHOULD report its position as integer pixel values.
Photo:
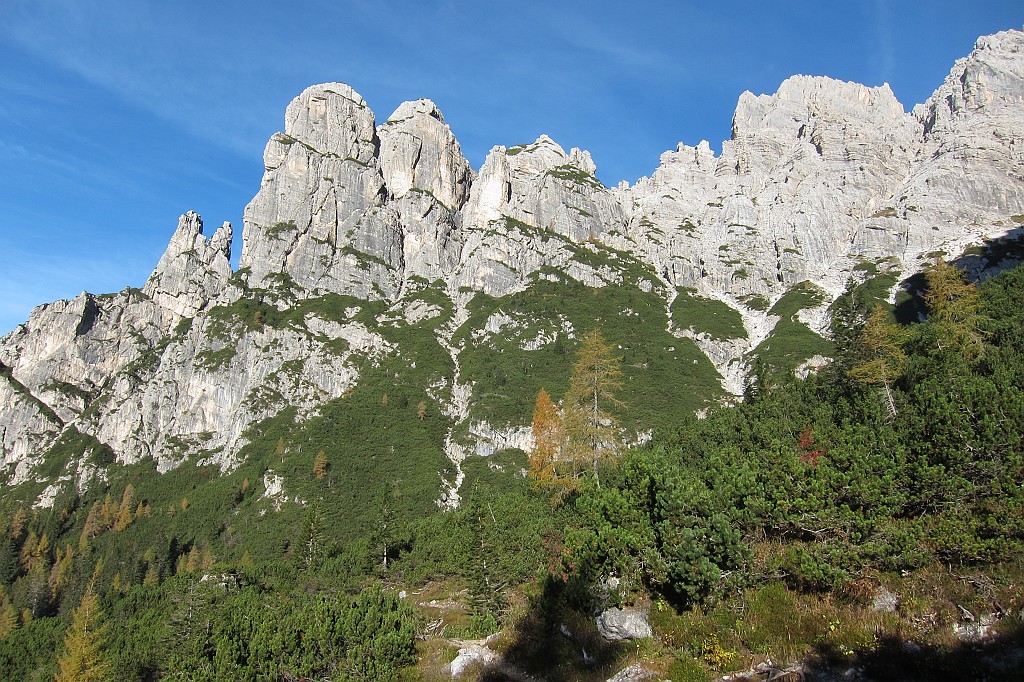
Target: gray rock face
(319, 217)
(428, 181)
(618, 624)
(193, 269)
(27, 427)
(816, 179)
(532, 206)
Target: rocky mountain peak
(193, 269)
(418, 151)
(990, 78)
(333, 119)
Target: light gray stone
(619, 624)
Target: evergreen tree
(83, 659)
(384, 535)
(311, 544)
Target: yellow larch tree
(591, 428)
(84, 643)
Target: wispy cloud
(158, 61)
(884, 40)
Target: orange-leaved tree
(547, 440)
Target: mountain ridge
(367, 239)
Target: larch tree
(84, 643)
(320, 464)
(547, 440)
(591, 429)
(882, 357)
(18, 523)
(8, 614)
(125, 513)
(954, 307)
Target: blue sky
(116, 116)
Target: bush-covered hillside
(762, 531)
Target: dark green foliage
(821, 467)
(246, 634)
(707, 316)
(28, 653)
(573, 174)
(665, 377)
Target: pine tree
(590, 428)
(311, 543)
(84, 644)
(384, 536)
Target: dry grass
(767, 623)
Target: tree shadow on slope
(557, 641)
(978, 263)
(999, 658)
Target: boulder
(618, 624)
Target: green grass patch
(574, 174)
(707, 316)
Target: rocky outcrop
(27, 427)
(428, 181)
(192, 270)
(318, 223)
(533, 206)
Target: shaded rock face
(816, 179)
